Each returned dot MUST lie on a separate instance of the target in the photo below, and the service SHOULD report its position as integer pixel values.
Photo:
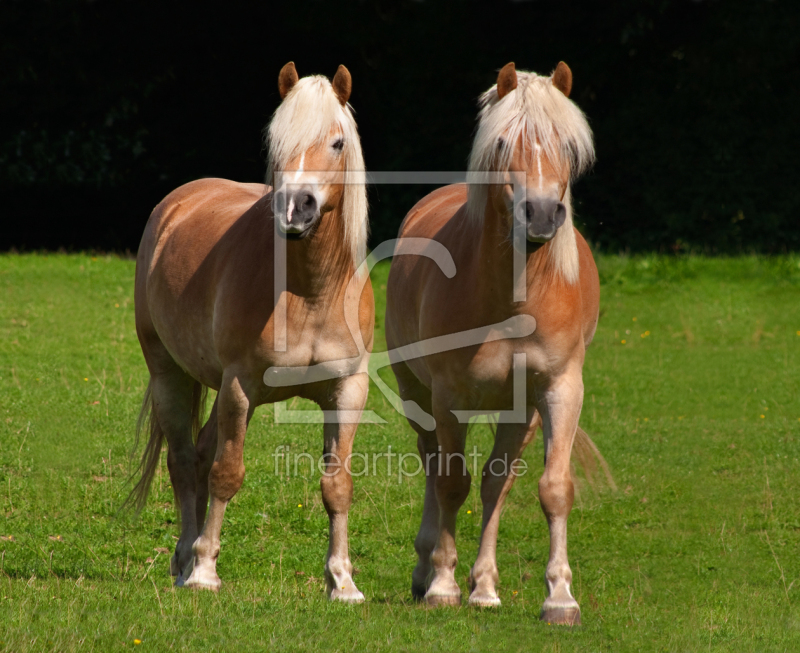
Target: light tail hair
(584, 452)
(591, 462)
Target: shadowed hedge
(105, 107)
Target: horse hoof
(196, 582)
(484, 601)
(436, 600)
(180, 581)
(351, 597)
(562, 616)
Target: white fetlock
(484, 599)
(203, 578)
(482, 583)
(443, 591)
(346, 593)
(560, 607)
(339, 582)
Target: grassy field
(691, 393)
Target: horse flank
(543, 115)
(303, 120)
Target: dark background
(105, 106)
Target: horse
(214, 310)
(530, 136)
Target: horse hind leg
(176, 399)
(428, 533)
(496, 482)
(411, 389)
(205, 449)
(451, 487)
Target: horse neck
(320, 266)
(496, 263)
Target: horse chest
(486, 380)
(327, 348)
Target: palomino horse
(529, 136)
(208, 314)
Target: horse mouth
(540, 239)
(300, 234)
(296, 235)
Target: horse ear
(287, 79)
(506, 80)
(562, 78)
(342, 84)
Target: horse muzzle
(296, 212)
(541, 218)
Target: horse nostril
(306, 205)
(529, 211)
(559, 215)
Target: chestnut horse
(529, 136)
(214, 310)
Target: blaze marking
(538, 149)
(298, 172)
(300, 167)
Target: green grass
(699, 420)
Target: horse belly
(188, 336)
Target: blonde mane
(304, 119)
(540, 113)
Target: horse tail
(588, 457)
(152, 451)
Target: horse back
(427, 217)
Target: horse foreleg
(560, 407)
(225, 478)
(337, 483)
(497, 479)
(452, 487)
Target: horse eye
(338, 144)
(500, 143)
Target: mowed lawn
(692, 394)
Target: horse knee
(337, 491)
(225, 480)
(556, 494)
